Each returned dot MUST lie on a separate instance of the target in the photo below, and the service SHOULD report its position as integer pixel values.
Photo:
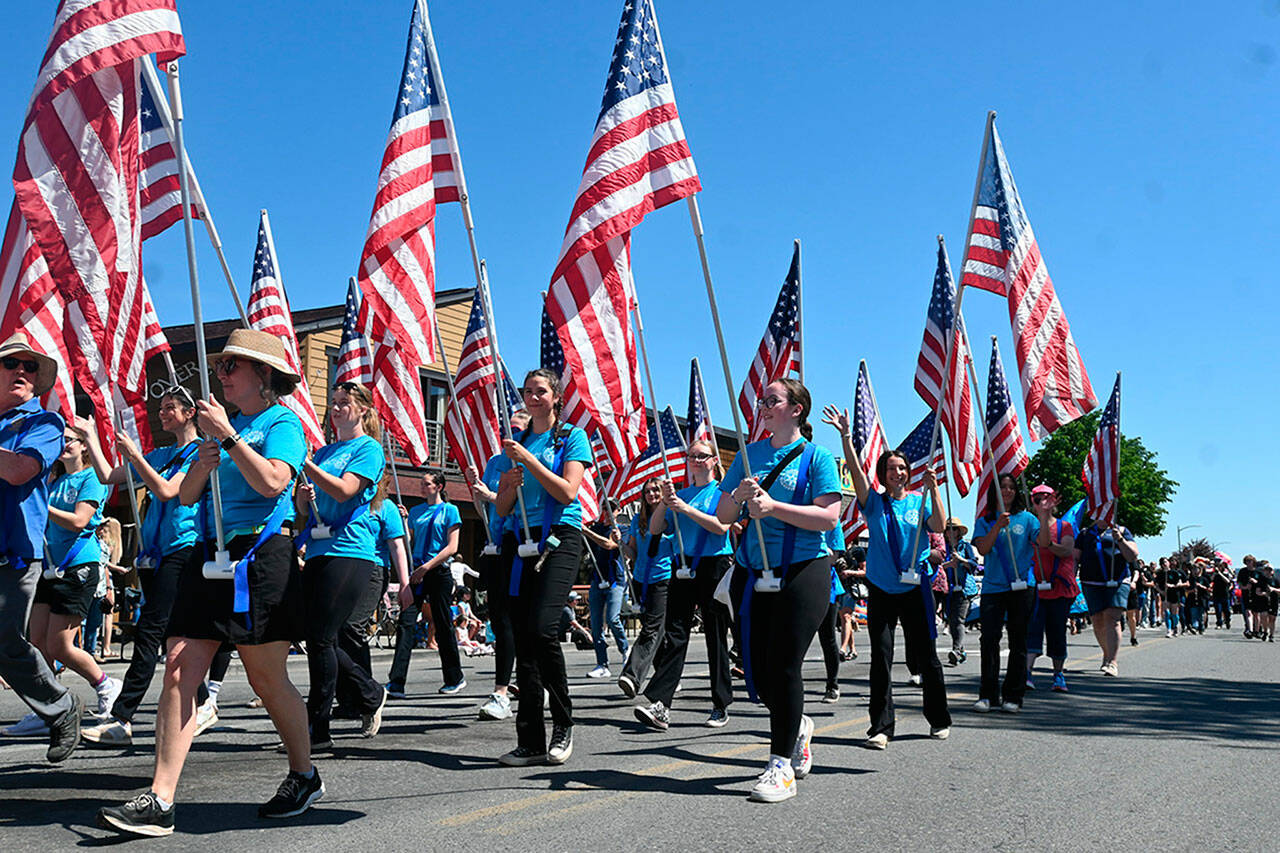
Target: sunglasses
(68, 439)
(30, 365)
(701, 457)
(1042, 499)
(346, 386)
(225, 366)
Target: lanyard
(150, 528)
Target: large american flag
(397, 265)
(1101, 472)
(269, 312)
(574, 409)
(76, 183)
(916, 448)
(779, 352)
(472, 427)
(1002, 431)
(352, 363)
(697, 421)
(869, 440)
(625, 485)
(638, 161)
(159, 183)
(931, 366)
(1003, 257)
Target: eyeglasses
(768, 402)
(1042, 499)
(68, 439)
(225, 366)
(30, 365)
(346, 386)
(701, 457)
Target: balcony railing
(437, 450)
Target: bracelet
(230, 441)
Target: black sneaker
(832, 696)
(654, 716)
(295, 795)
(140, 816)
(523, 756)
(1133, 641)
(64, 732)
(561, 744)
(719, 717)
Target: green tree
(1145, 487)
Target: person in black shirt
(1104, 556)
(1244, 582)
(1197, 596)
(1263, 601)
(1220, 586)
(1169, 580)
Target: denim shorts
(1100, 597)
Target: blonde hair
(361, 396)
(109, 534)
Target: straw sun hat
(17, 345)
(262, 347)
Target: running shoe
(718, 719)
(1110, 669)
(1059, 683)
(113, 733)
(206, 716)
(1011, 707)
(142, 816)
(802, 753)
(107, 693)
(496, 707)
(654, 716)
(31, 724)
(941, 733)
(599, 671)
(1133, 641)
(627, 685)
(982, 706)
(395, 691)
(877, 741)
(64, 734)
(523, 756)
(832, 696)
(450, 689)
(561, 744)
(953, 659)
(296, 794)
(776, 784)
(255, 702)
(371, 724)
(1031, 684)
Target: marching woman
(433, 532)
(1056, 586)
(65, 591)
(167, 537)
(795, 494)
(30, 443)
(257, 454)
(651, 551)
(1104, 555)
(892, 518)
(342, 479)
(709, 555)
(1008, 591)
(547, 460)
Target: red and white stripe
(1010, 454)
(472, 426)
(957, 416)
(1101, 472)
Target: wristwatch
(230, 441)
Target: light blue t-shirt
(274, 433)
(356, 539)
(67, 491)
(576, 449)
(834, 539)
(24, 508)
(168, 525)
(883, 562)
(704, 499)
(498, 525)
(390, 527)
(997, 574)
(430, 524)
(658, 567)
(823, 480)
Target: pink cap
(1043, 489)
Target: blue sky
(1142, 137)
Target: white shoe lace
(774, 776)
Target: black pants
(435, 591)
(1222, 610)
(353, 641)
(535, 617)
(159, 586)
(331, 587)
(683, 596)
(495, 574)
(653, 617)
(1000, 610)
(782, 627)
(830, 645)
(885, 611)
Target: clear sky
(1142, 136)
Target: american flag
(269, 312)
(472, 427)
(638, 161)
(1101, 472)
(76, 183)
(574, 410)
(515, 402)
(916, 448)
(352, 364)
(397, 265)
(1002, 431)
(625, 486)
(697, 422)
(869, 440)
(601, 455)
(159, 182)
(779, 352)
(957, 408)
(1004, 258)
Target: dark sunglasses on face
(226, 366)
(30, 365)
(345, 386)
(701, 457)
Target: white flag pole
(221, 566)
(799, 312)
(1016, 583)
(528, 548)
(706, 411)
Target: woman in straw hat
(257, 453)
(30, 443)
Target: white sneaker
(113, 733)
(776, 784)
(31, 724)
(940, 734)
(982, 706)
(1011, 707)
(206, 716)
(107, 695)
(496, 707)
(877, 741)
(915, 681)
(802, 755)
(627, 685)
(599, 671)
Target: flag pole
(911, 575)
(220, 567)
(527, 548)
(706, 413)
(767, 581)
(395, 474)
(132, 486)
(995, 474)
(196, 195)
(799, 312)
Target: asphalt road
(1179, 753)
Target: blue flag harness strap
(548, 509)
(275, 522)
(895, 549)
(151, 529)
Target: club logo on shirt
(255, 438)
(911, 516)
(337, 462)
(1018, 528)
(787, 479)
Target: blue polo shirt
(998, 574)
(65, 492)
(24, 508)
(390, 527)
(884, 561)
(274, 433)
(357, 538)
(698, 541)
(498, 525)
(168, 526)
(541, 444)
(430, 524)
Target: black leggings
(668, 666)
(495, 574)
(436, 592)
(331, 587)
(782, 627)
(884, 611)
(830, 645)
(653, 616)
(353, 640)
(535, 616)
(159, 586)
(1001, 611)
